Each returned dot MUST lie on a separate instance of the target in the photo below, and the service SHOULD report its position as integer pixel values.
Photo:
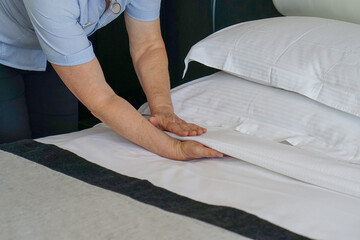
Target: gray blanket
(50, 193)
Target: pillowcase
(226, 102)
(316, 57)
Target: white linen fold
(285, 159)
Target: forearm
(152, 71)
(87, 83)
(127, 122)
(150, 61)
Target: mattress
(307, 191)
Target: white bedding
(316, 57)
(306, 191)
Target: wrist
(160, 102)
(161, 108)
(170, 148)
(175, 151)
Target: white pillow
(224, 101)
(316, 57)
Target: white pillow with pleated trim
(226, 102)
(316, 57)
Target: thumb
(154, 121)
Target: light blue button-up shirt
(33, 32)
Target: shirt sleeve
(61, 37)
(144, 10)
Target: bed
(285, 111)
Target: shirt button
(115, 7)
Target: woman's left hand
(168, 121)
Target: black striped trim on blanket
(72, 165)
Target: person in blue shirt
(37, 32)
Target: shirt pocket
(89, 16)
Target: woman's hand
(167, 120)
(189, 150)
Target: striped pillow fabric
(224, 101)
(316, 57)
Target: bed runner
(72, 165)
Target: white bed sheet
(320, 210)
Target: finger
(174, 127)
(197, 150)
(174, 124)
(196, 130)
(179, 129)
(193, 129)
(183, 128)
(209, 152)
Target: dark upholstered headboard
(184, 22)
